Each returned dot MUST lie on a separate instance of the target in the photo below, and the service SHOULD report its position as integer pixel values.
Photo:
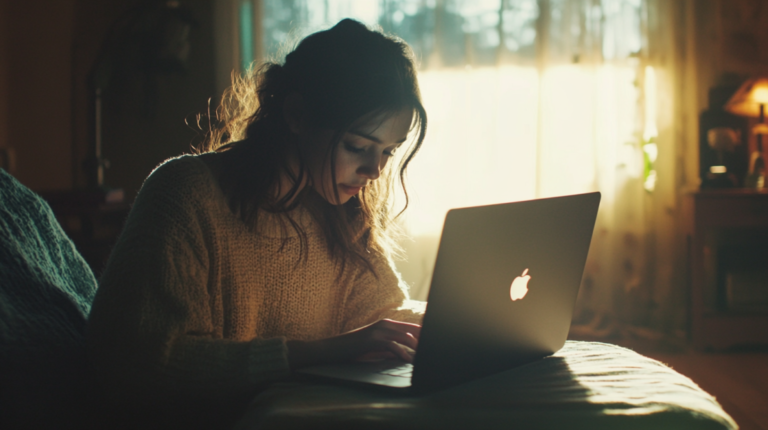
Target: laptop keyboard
(403, 371)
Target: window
(525, 98)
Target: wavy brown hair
(344, 75)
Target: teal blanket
(46, 289)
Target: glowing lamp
(750, 100)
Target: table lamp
(750, 100)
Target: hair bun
(348, 25)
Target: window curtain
(539, 98)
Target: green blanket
(585, 385)
(46, 290)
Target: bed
(584, 385)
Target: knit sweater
(194, 303)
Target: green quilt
(46, 289)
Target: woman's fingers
(399, 338)
(393, 337)
(403, 327)
(408, 340)
(394, 333)
(403, 352)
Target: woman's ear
(293, 112)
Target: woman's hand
(385, 336)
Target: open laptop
(502, 294)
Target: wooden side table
(728, 257)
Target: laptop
(502, 294)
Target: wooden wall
(4, 81)
(36, 115)
(47, 48)
(732, 40)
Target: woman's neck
(222, 164)
(288, 181)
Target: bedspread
(46, 290)
(584, 385)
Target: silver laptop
(502, 294)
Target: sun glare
(480, 148)
(485, 144)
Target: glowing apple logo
(519, 287)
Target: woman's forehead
(390, 122)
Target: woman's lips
(346, 189)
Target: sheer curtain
(538, 98)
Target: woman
(271, 251)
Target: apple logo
(519, 287)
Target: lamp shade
(747, 100)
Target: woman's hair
(344, 75)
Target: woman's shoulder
(187, 166)
(183, 171)
(185, 178)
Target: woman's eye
(390, 153)
(353, 149)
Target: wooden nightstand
(728, 256)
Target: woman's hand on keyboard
(385, 336)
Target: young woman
(271, 250)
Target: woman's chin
(343, 198)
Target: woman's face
(362, 154)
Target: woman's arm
(377, 318)
(152, 331)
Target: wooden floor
(738, 380)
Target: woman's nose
(371, 169)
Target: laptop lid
(481, 319)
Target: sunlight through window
(246, 34)
(509, 118)
(650, 133)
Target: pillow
(46, 290)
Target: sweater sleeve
(381, 295)
(151, 330)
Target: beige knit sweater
(194, 304)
